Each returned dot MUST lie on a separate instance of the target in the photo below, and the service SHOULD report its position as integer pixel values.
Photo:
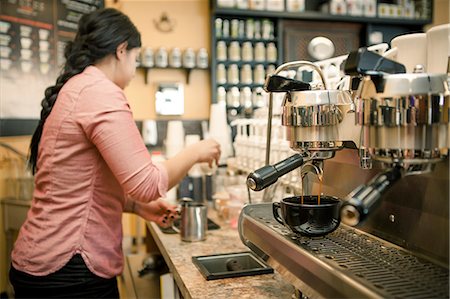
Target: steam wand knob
(269, 174)
(361, 201)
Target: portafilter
(316, 120)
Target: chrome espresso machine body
(392, 133)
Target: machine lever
(269, 174)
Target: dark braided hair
(99, 34)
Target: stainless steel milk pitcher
(193, 221)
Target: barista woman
(91, 165)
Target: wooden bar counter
(178, 256)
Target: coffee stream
(320, 177)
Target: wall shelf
(186, 70)
(318, 16)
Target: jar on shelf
(161, 57)
(221, 49)
(189, 58)
(271, 52)
(233, 74)
(175, 57)
(221, 94)
(249, 28)
(258, 98)
(234, 51)
(260, 52)
(241, 30)
(218, 27)
(234, 28)
(202, 58)
(226, 28)
(246, 74)
(147, 58)
(267, 29)
(242, 4)
(233, 97)
(221, 74)
(270, 69)
(246, 97)
(257, 29)
(259, 74)
(247, 51)
(295, 5)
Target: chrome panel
(397, 85)
(309, 116)
(414, 110)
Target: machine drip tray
(350, 262)
(230, 265)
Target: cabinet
(244, 50)
(293, 32)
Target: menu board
(33, 35)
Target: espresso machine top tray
(346, 263)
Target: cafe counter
(191, 283)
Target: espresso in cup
(308, 218)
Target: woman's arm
(204, 151)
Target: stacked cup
(174, 138)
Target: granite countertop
(178, 256)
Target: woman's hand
(158, 211)
(208, 151)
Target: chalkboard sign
(33, 34)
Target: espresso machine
(383, 150)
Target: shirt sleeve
(107, 120)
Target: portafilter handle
(364, 198)
(269, 174)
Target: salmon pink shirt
(91, 157)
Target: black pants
(74, 280)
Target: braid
(99, 34)
(74, 66)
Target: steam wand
(361, 201)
